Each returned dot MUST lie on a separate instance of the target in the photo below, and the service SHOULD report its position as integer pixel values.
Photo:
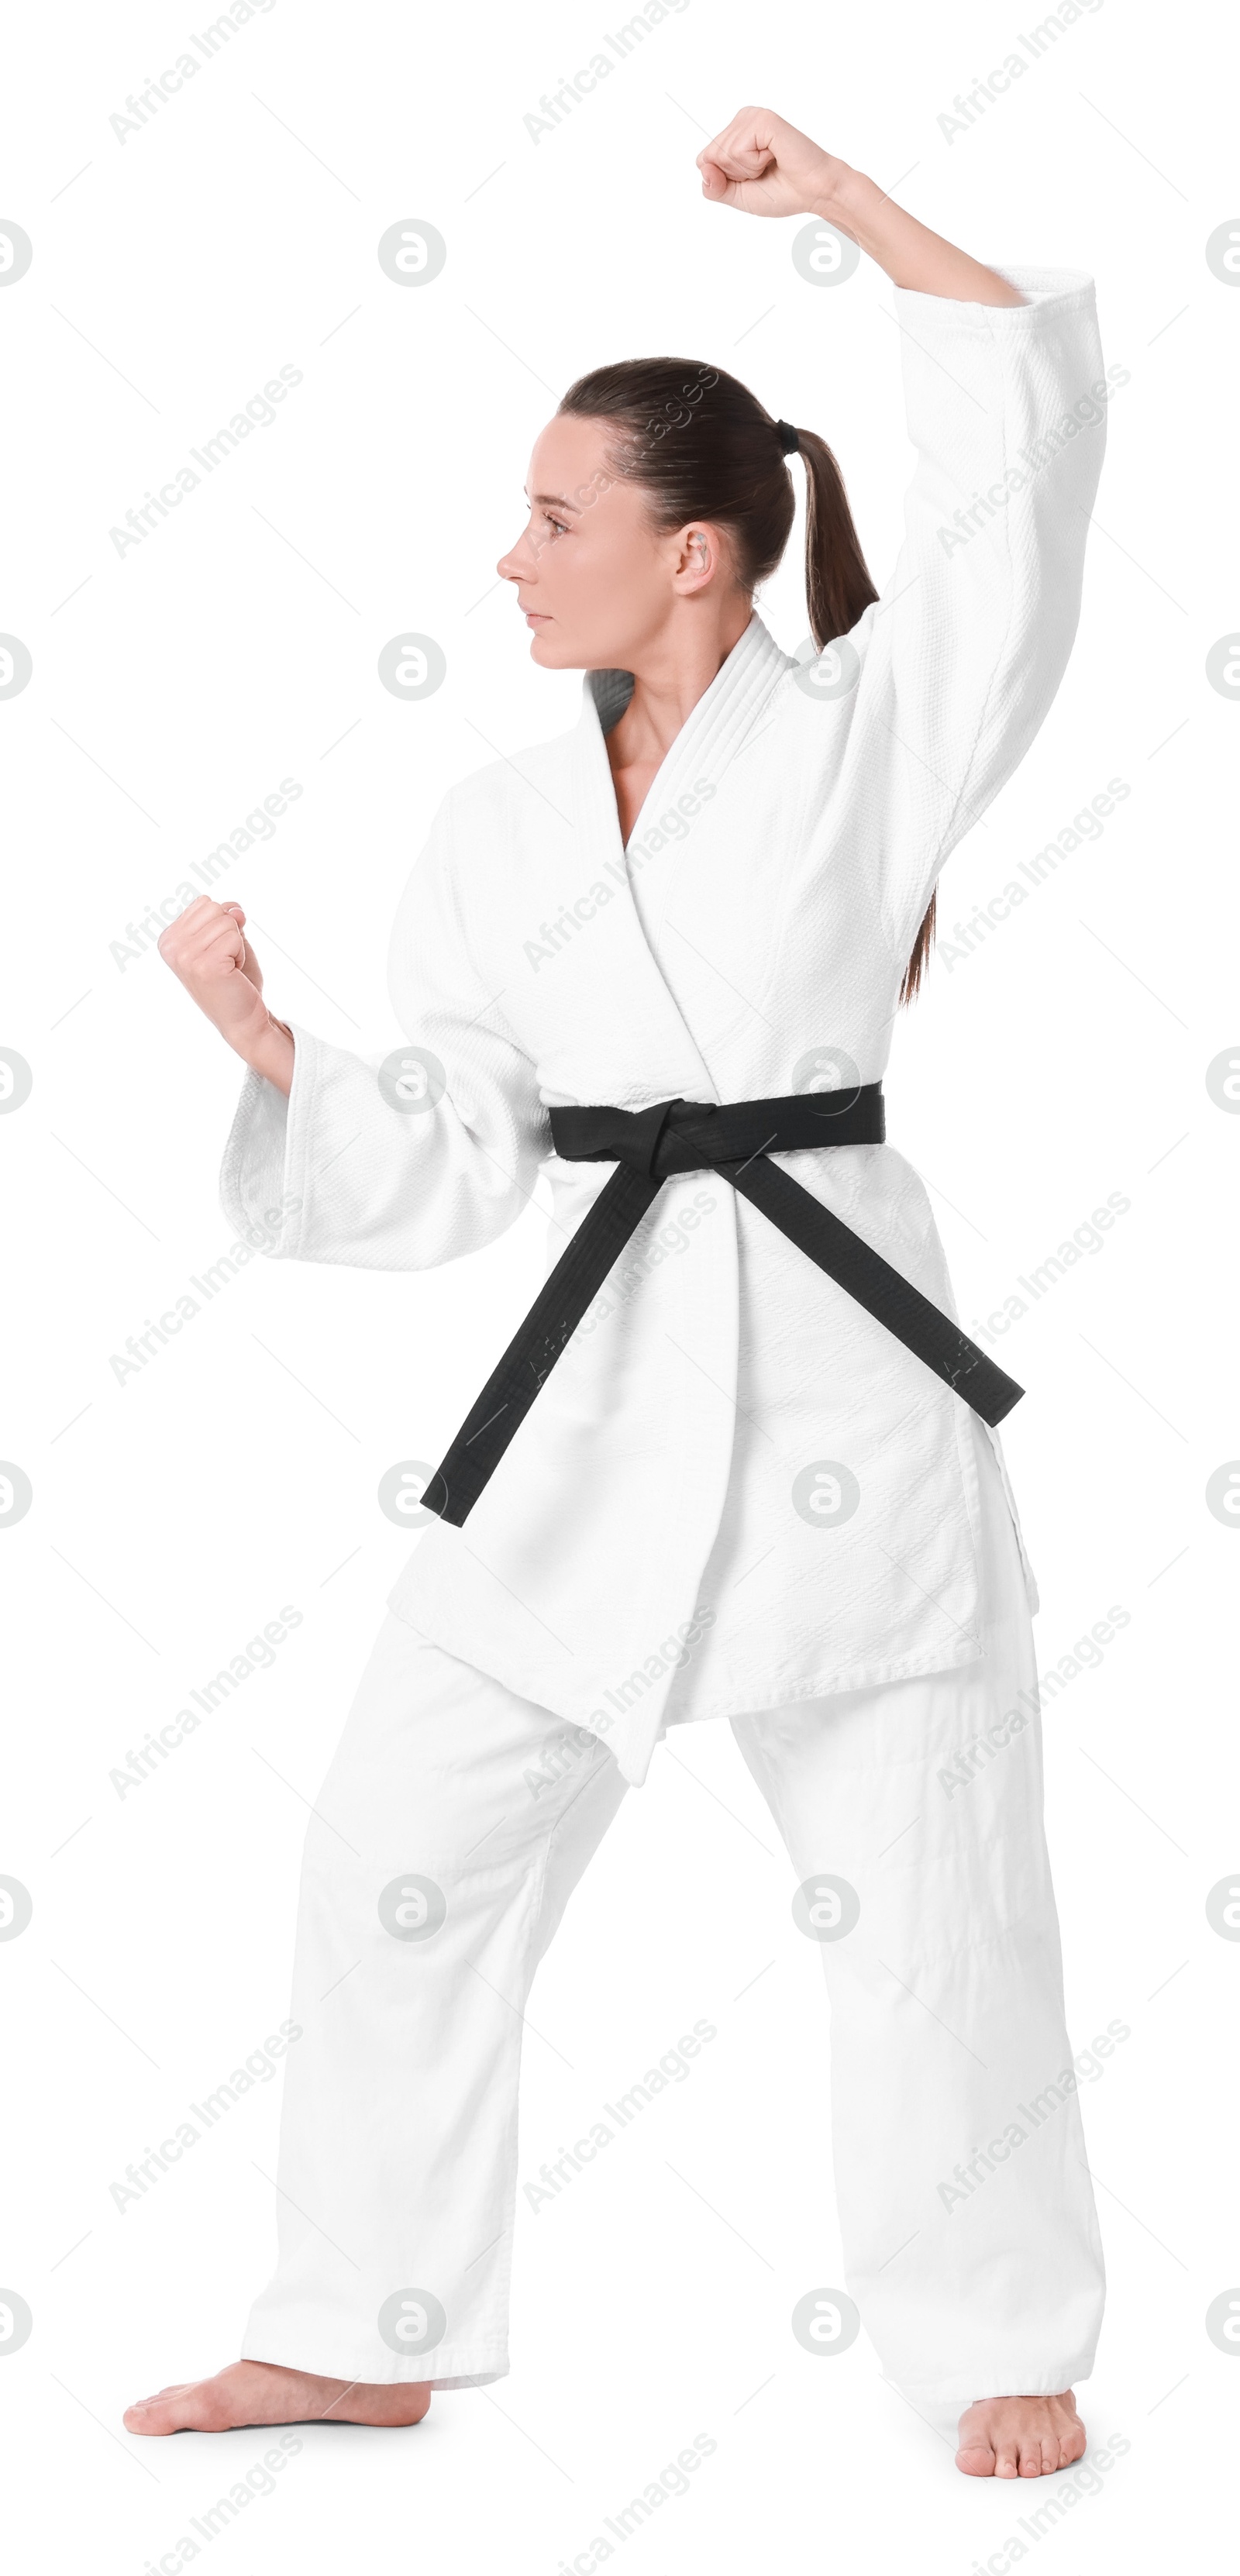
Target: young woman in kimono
(737, 1491)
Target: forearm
(208, 952)
(912, 255)
(272, 1054)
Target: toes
(142, 2419)
(165, 2413)
(1029, 2450)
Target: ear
(699, 557)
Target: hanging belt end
(995, 1395)
(452, 1506)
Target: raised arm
(764, 166)
(955, 667)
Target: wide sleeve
(962, 655)
(399, 1161)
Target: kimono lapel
(738, 699)
(725, 716)
(737, 703)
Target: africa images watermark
(968, 105)
(1034, 457)
(669, 828)
(141, 1348)
(142, 105)
(663, 1243)
(258, 2480)
(1084, 1656)
(258, 413)
(1070, 2488)
(259, 825)
(572, 1743)
(628, 2518)
(555, 105)
(1086, 825)
(257, 1655)
(1086, 1240)
(1087, 2066)
(259, 2067)
(673, 2067)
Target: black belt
(675, 1136)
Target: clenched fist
(764, 166)
(208, 951)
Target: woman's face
(597, 584)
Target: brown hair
(701, 444)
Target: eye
(558, 525)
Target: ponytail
(838, 588)
(702, 446)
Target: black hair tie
(789, 438)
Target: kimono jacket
(669, 1533)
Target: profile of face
(597, 582)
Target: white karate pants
(972, 2253)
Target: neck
(672, 674)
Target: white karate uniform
(776, 924)
(639, 1556)
(971, 2251)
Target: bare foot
(263, 2392)
(1019, 2437)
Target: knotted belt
(649, 1146)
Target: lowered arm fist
(208, 952)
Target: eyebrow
(556, 498)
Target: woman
(709, 1480)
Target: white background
(174, 1514)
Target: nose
(518, 564)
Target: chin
(552, 654)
